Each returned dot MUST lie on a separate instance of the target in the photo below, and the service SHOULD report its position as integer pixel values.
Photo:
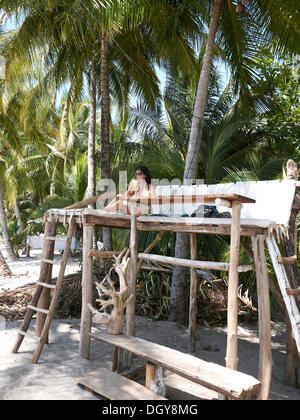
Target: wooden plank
(116, 387)
(159, 227)
(235, 385)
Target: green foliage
(281, 80)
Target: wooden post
(232, 311)
(264, 316)
(45, 276)
(87, 292)
(130, 310)
(193, 295)
(150, 374)
(290, 248)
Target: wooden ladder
(42, 286)
(283, 282)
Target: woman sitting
(140, 187)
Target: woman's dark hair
(145, 171)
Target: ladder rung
(27, 334)
(34, 308)
(48, 261)
(56, 238)
(49, 285)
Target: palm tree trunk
(105, 120)
(4, 269)
(177, 302)
(11, 256)
(91, 187)
(92, 133)
(18, 216)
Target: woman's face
(139, 175)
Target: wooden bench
(116, 387)
(232, 384)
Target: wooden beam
(116, 387)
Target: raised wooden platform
(232, 384)
(160, 224)
(116, 387)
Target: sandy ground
(53, 378)
(27, 269)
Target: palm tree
(266, 20)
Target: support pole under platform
(87, 292)
(232, 311)
(264, 316)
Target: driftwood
(119, 300)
